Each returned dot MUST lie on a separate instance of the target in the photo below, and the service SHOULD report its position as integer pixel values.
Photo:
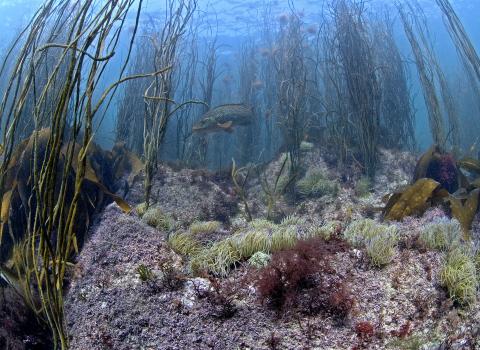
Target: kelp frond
(75, 41)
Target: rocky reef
(211, 279)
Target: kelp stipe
(74, 43)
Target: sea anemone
(155, 217)
(459, 276)
(441, 234)
(316, 184)
(184, 243)
(204, 227)
(379, 240)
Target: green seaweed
(145, 273)
(262, 224)
(283, 238)
(381, 249)
(259, 260)
(141, 209)
(252, 242)
(291, 220)
(363, 186)
(306, 146)
(218, 258)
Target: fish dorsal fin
(227, 126)
(230, 104)
(242, 105)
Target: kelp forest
(240, 175)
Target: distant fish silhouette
(224, 118)
(257, 84)
(283, 18)
(312, 29)
(264, 51)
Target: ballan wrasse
(224, 118)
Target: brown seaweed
(98, 184)
(464, 210)
(413, 201)
(470, 164)
(426, 191)
(423, 163)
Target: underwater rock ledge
(108, 305)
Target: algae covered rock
(325, 231)
(259, 259)
(141, 209)
(363, 186)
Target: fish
(224, 118)
(257, 84)
(283, 18)
(470, 164)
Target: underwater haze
(271, 174)
(238, 21)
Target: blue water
(237, 19)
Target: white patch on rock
(191, 288)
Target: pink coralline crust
(427, 217)
(432, 214)
(107, 305)
(188, 195)
(413, 224)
